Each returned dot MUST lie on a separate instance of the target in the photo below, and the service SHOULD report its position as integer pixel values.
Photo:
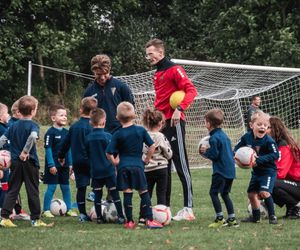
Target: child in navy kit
(102, 170)
(75, 140)
(25, 163)
(125, 150)
(221, 155)
(264, 170)
(55, 173)
(157, 169)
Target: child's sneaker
(152, 224)
(232, 222)
(91, 197)
(71, 213)
(47, 214)
(273, 220)
(129, 225)
(38, 223)
(185, 214)
(7, 223)
(218, 223)
(142, 222)
(21, 216)
(83, 218)
(120, 220)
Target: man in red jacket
(169, 78)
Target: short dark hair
(96, 115)
(27, 104)
(215, 117)
(254, 97)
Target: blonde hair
(259, 115)
(15, 107)
(125, 112)
(3, 108)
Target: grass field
(68, 233)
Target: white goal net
(229, 87)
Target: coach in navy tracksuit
(108, 90)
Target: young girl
(287, 185)
(157, 169)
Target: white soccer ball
(58, 207)
(162, 214)
(109, 212)
(92, 213)
(263, 210)
(5, 159)
(245, 157)
(204, 142)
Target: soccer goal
(229, 87)
(226, 86)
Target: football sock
(231, 216)
(80, 198)
(270, 205)
(228, 203)
(117, 201)
(128, 206)
(48, 196)
(66, 192)
(256, 214)
(97, 202)
(146, 206)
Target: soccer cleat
(91, 197)
(185, 214)
(71, 213)
(38, 223)
(142, 222)
(232, 222)
(152, 224)
(83, 218)
(273, 220)
(294, 213)
(250, 219)
(218, 223)
(47, 214)
(21, 216)
(7, 223)
(129, 225)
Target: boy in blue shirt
(102, 171)
(25, 163)
(220, 153)
(264, 170)
(126, 150)
(75, 140)
(54, 172)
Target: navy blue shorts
(109, 182)
(220, 184)
(131, 177)
(262, 183)
(82, 180)
(61, 177)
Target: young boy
(25, 163)
(75, 140)
(54, 172)
(102, 171)
(126, 150)
(220, 153)
(264, 171)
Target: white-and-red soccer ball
(245, 157)
(5, 159)
(162, 214)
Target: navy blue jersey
(220, 153)
(96, 143)
(18, 134)
(75, 140)
(266, 150)
(53, 141)
(109, 97)
(12, 120)
(128, 143)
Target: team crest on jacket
(113, 90)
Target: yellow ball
(176, 98)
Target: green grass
(68, 233)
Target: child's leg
(226, 198)
(161, 185)
(128, 204)
(217, 185)
(4, 186)
(97, 202)
(117, 201)
(80, 198)
(268, 201)
(48, 196)
(66, 192)
(255, 204)
(146, 205)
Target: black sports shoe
(250, 219)
(100, 221)
(273, 220)
(295, 213)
